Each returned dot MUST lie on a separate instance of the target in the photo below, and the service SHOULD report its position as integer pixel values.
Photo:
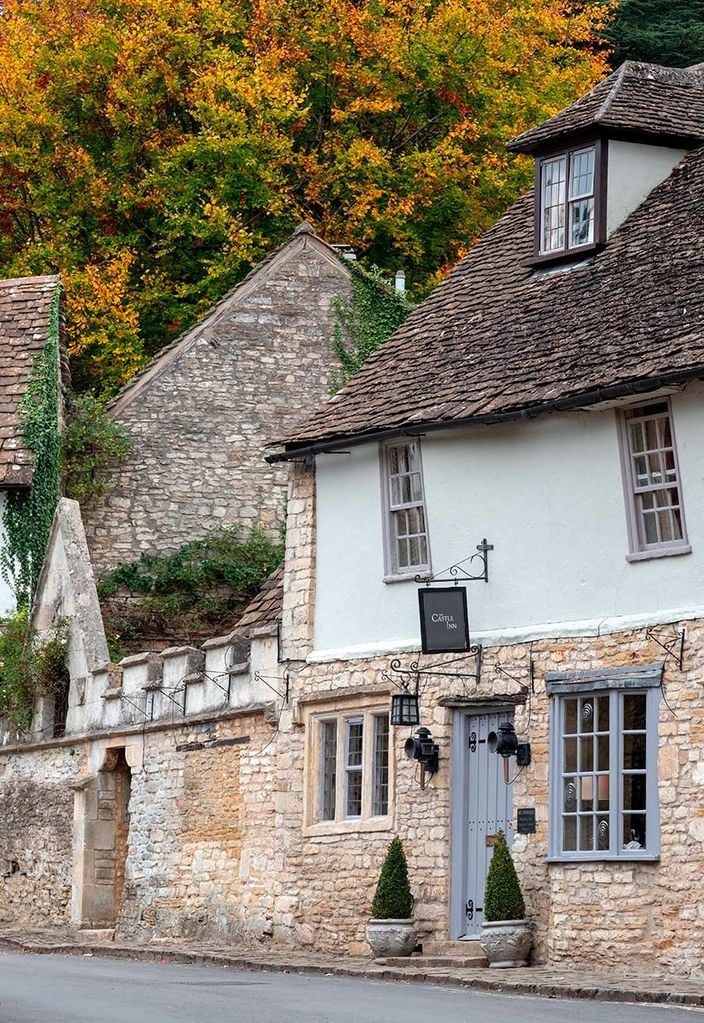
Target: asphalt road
(67, 989)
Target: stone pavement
(546, 981)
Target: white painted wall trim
(524, 634)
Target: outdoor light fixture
(405, 708)
(506, 744)
(425, 751)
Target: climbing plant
(197, 588)
(30, 667)
(91, 444)
(28, 514)
(365, 319)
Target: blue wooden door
(488, 807)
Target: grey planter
(389, 938)
(506, 942)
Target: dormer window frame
(571, 253)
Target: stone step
(453, 962)
(97, 937)
(470, 947)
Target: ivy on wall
(30, 668)
(366, 319)
(28, 514)
(91, 444)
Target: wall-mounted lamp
(506, 744)
(405, 708)
(425, 751)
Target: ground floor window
(351, 756)
(604, 773)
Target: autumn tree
(152, 150)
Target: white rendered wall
(7, 597)
(548, 494)
(633, 172)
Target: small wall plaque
(525, 821)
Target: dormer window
(567, 208)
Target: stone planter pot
(391, 938)
(506, 942)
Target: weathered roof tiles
(25, 317)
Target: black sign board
(525, 821)
(444, 622)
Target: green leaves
(503, 899)
(91, 444)
(393, 899)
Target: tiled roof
(644, 99)
(265, 608)
(498, 339)
(25, 315)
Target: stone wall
(36, 827)
(200, 416)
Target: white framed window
(567, 197)
(654, 508)
(352, 780)
(407, 549)
(603, 767)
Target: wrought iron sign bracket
(141, 710)
(406, 675)
(178, 703)
(674, 649)
(461, 571)
(525, 688)
(258, 677)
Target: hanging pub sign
(444, 622)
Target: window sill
(575, 861)
(409, 577)
(662, 552)
(323, 829)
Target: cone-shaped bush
(393, 899)
(503, 899)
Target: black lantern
(507, 742)
(424, 750)
(405, 708)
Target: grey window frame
(357, 769)
(638, 549)
(615, 684)
(392, 569)
(598, 194)
(378, 784)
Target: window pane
(582, 220)
(586, 754)
(586, 793)
(354, 743)
(553, 204)
(569, 794)
(328, 758)
(634, 712)
(570, 755)
(603, 714)
(602, 833)
(586, 716)
(586, 834)
(634, 831)
(569, 834)
(353, 802)
(380, 795)
(602, 760)
(570, 717)
(582, 174)
(634, 792)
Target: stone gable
(200, 416)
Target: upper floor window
(406, 523)
(567, 211)
(652, 481)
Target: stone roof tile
(265, 609)
(25, 317)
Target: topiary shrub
(393, 899)
(503, 899)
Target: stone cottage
(499, 518)
(199, 415)
(25, 326)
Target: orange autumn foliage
(152, 151)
